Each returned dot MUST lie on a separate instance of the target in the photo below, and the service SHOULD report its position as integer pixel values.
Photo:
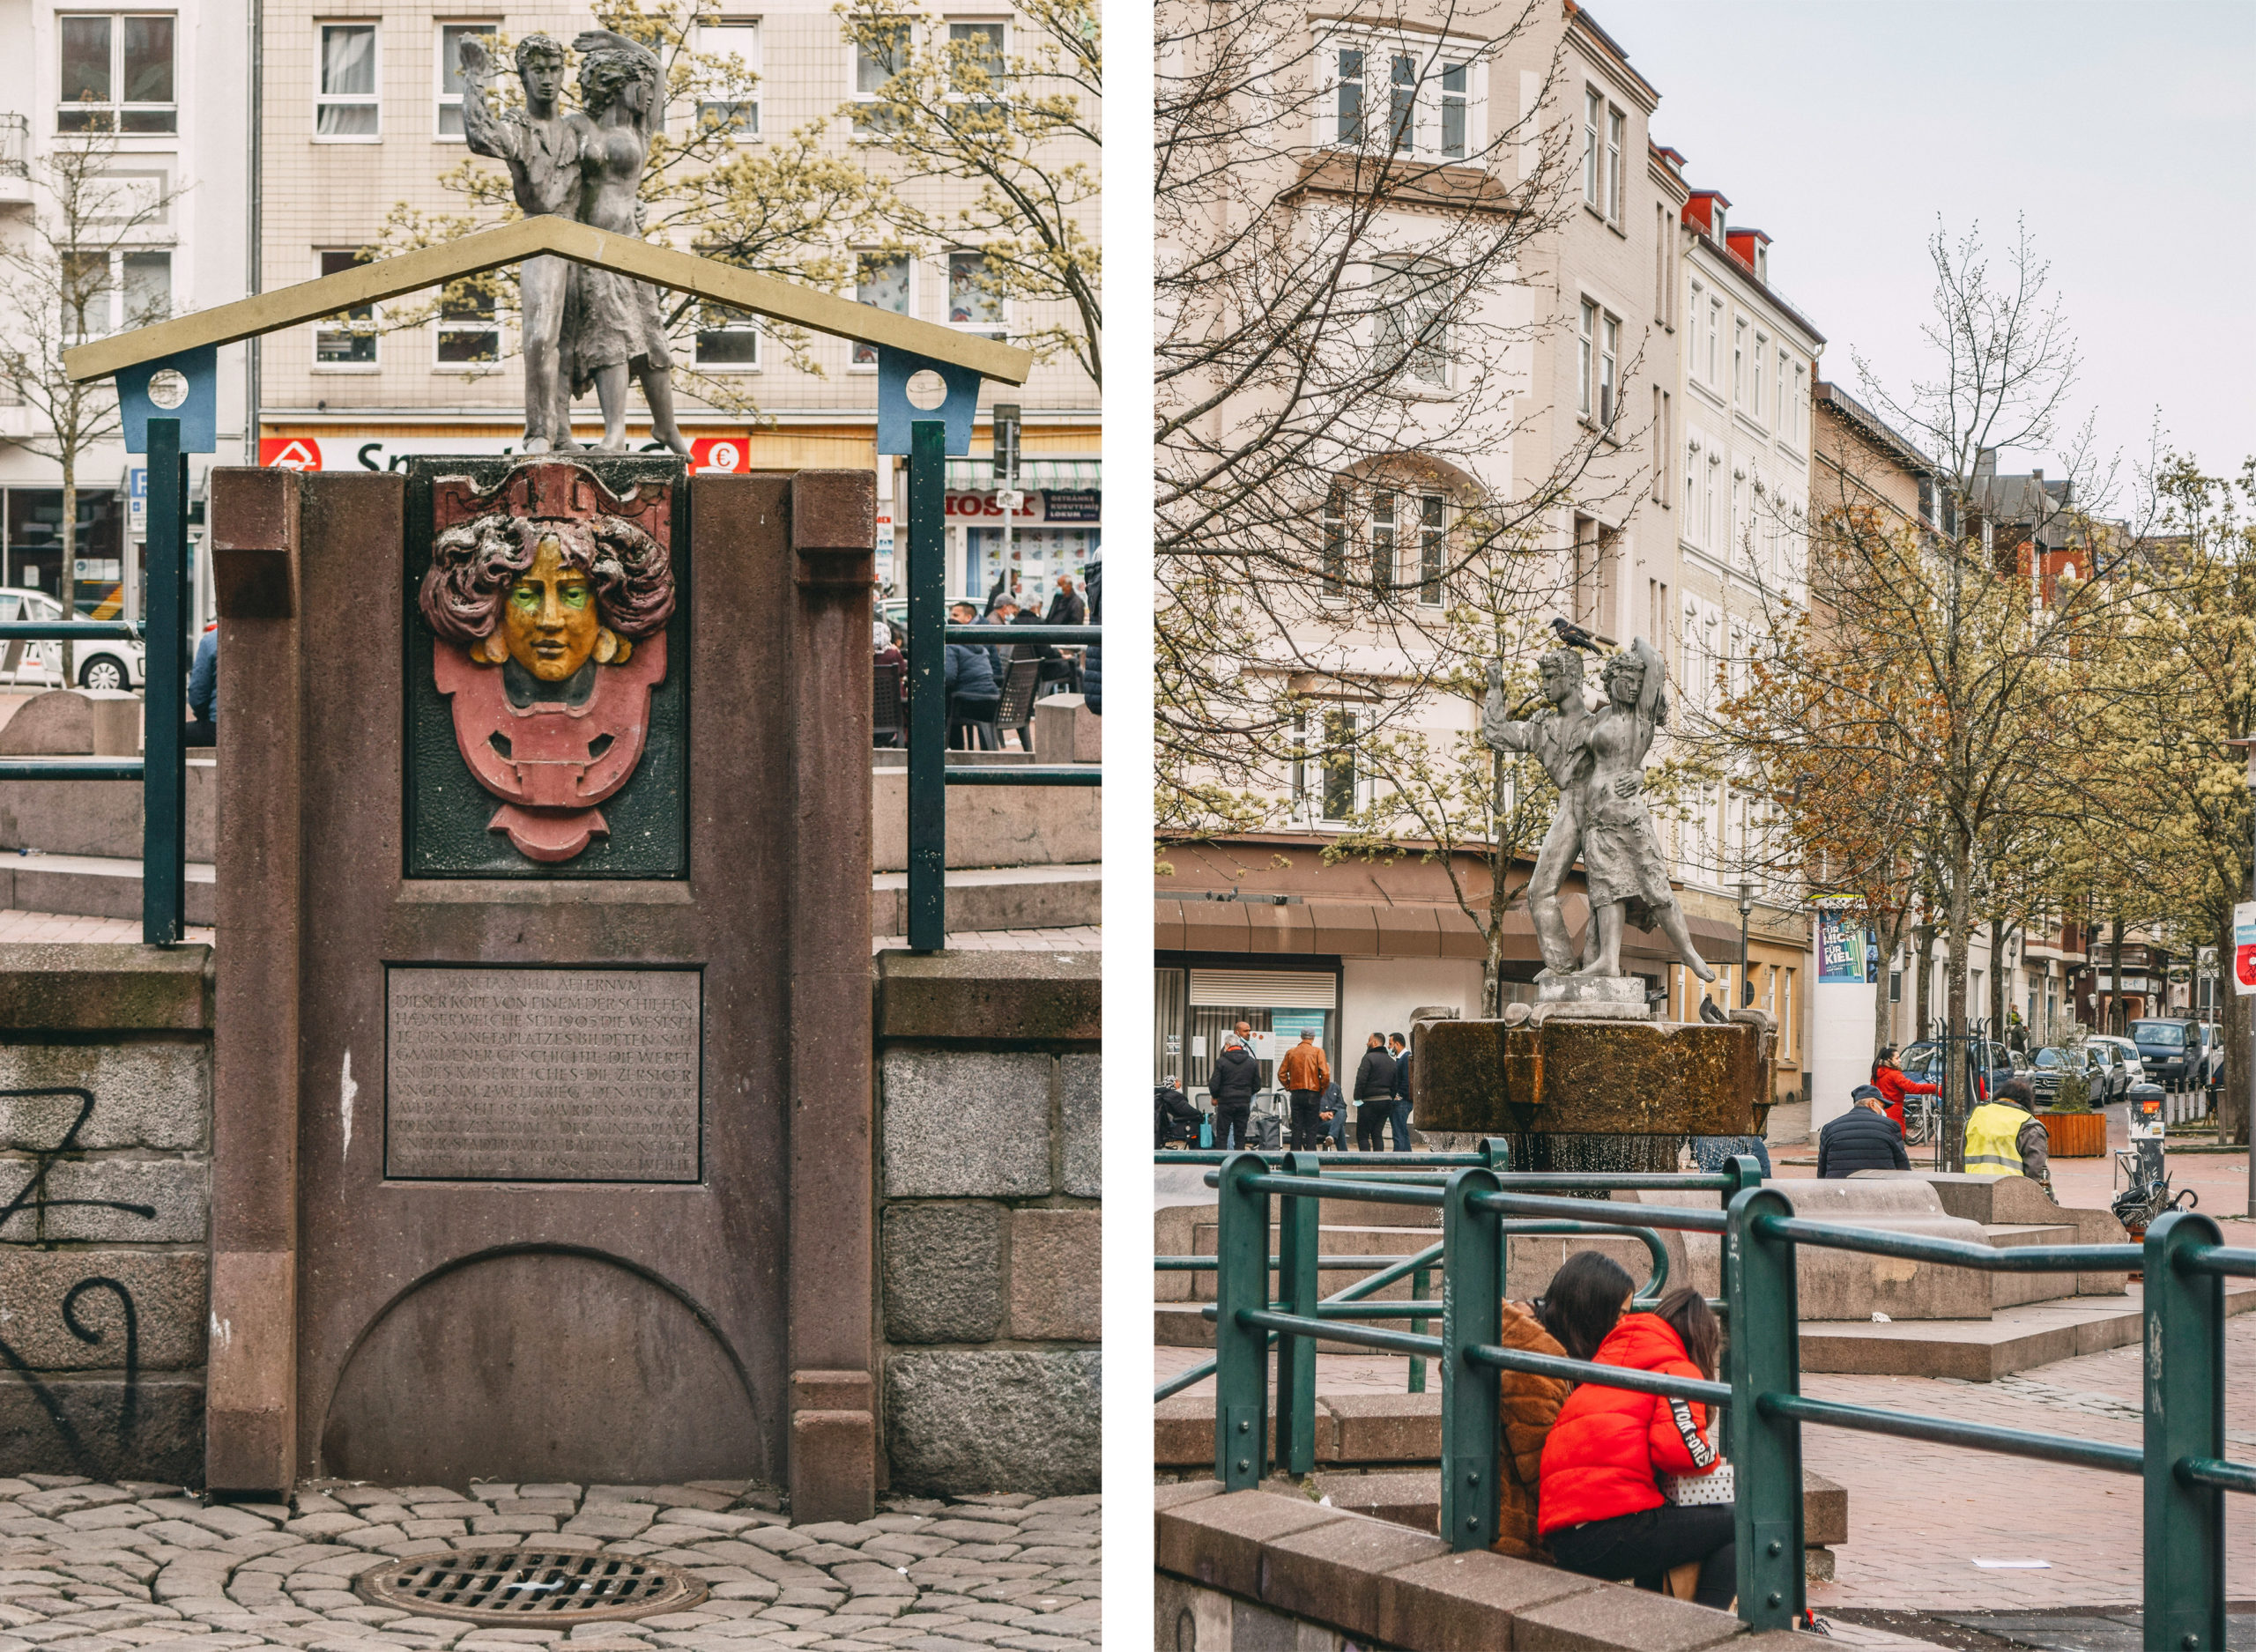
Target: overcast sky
(2122, 131)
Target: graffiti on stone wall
(34, 1200)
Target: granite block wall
(990, 1255)
(105, 1189)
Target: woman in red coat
(1895, 1086)
(1602, 1513)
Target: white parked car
(96, 663)
(2126, 1051)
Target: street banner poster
(1847, 949)
(2244, 948)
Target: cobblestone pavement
(93, 1567)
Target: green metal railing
(2181, 1462)
(930, 775)
(162, 768)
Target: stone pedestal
(1065, 730)
(1592, 998)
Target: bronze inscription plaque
(542, 1075)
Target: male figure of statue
(542, 148)
(1556, 738)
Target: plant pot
(2075, 1135)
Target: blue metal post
(2185, 1418)
(1298, 1288)
(1473, 1316)
(1763, 1357)
(164, 779)
(928, 711)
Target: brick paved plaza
(93, 1567)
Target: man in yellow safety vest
(2004, 1137)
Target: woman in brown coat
(1568, 1322)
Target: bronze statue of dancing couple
(583, 327)
(1596, 759)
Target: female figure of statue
(1628, 880)
(613, 329)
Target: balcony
(15, 160)
(16, 420)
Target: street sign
(722, 456)
(137, 498)
(1006, 442)
(2244, 948)
(1010, 499)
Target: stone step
(2010, 1290)
(978, 897)
(2013, 1339)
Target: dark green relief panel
(446, 834)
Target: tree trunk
(2233, 1018)
(1998, 978)
(1923, 942)
(1957, 931)
(1882, 1011)
(66, 577)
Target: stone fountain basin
(1593, 1078)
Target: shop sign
(392, 453)
(720, 455)
(988, 507)
(1073, 505)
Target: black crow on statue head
(1574, 637)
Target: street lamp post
(1745, 907)
(2247, 744)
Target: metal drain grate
(530, 1586)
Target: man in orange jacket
(1306, 1075)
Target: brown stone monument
(542, 1096)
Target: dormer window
(1761, 263)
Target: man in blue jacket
(1399, 1120)
(203, 690)
(1863, 1139)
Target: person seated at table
(966, 677)
(1568, 1322)
(1175, 1120)
(1602, 1511)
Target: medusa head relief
(548, 600)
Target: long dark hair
(1886, 1058)
(1688, 1314)
(1583, 1302)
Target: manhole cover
(517, 1586)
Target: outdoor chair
(974, 720)
(1016, 710)
(884, 702)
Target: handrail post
(2185, 1418)
(1241, 1352)
(1763, 1357)
(164, 778)
(1498, 1150)
(1420, 1283)
(928, 709)
(1298, 1233)
(1472, 1294)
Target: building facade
(361, 120)
(160, 89)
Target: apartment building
(1262, 927)
(161, 87)
(362, 117)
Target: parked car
(97, 664)
(2127, 1056)
(2211, 1069)
(2170, 1051)
(2055, 1062)
(1994, 1064)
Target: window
(728, 338)
(468, 333)
(116, 74)
(1691, 464)
(1802, 405)
(1614, 124)
(1402, 103)
(978, 54)
(1708, 504)
(346, 110)
(1432, 538)
(1778, 400)
(1593, 110)
(1762, 349)
(1609, 392)
(973, 303)
(876, 61)
(348, 339)
(1739, 364)
(1351, 96)
(1657, 627)
(1715, 328)
(734, 46)
(1385, 568)
(1584, 343)
(1341, 784)
(121, 290)
(451, 36)
(1663, 413)
(880, 280)
(1456, 88)
(1660, 263)
(1410, 324)
(1335, 540)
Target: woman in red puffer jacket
(1602, 1513)
(1895, 1084)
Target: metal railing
(162, 768)
(929, 634)
(15, 146)
(2181, 1462)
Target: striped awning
(976, 475)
